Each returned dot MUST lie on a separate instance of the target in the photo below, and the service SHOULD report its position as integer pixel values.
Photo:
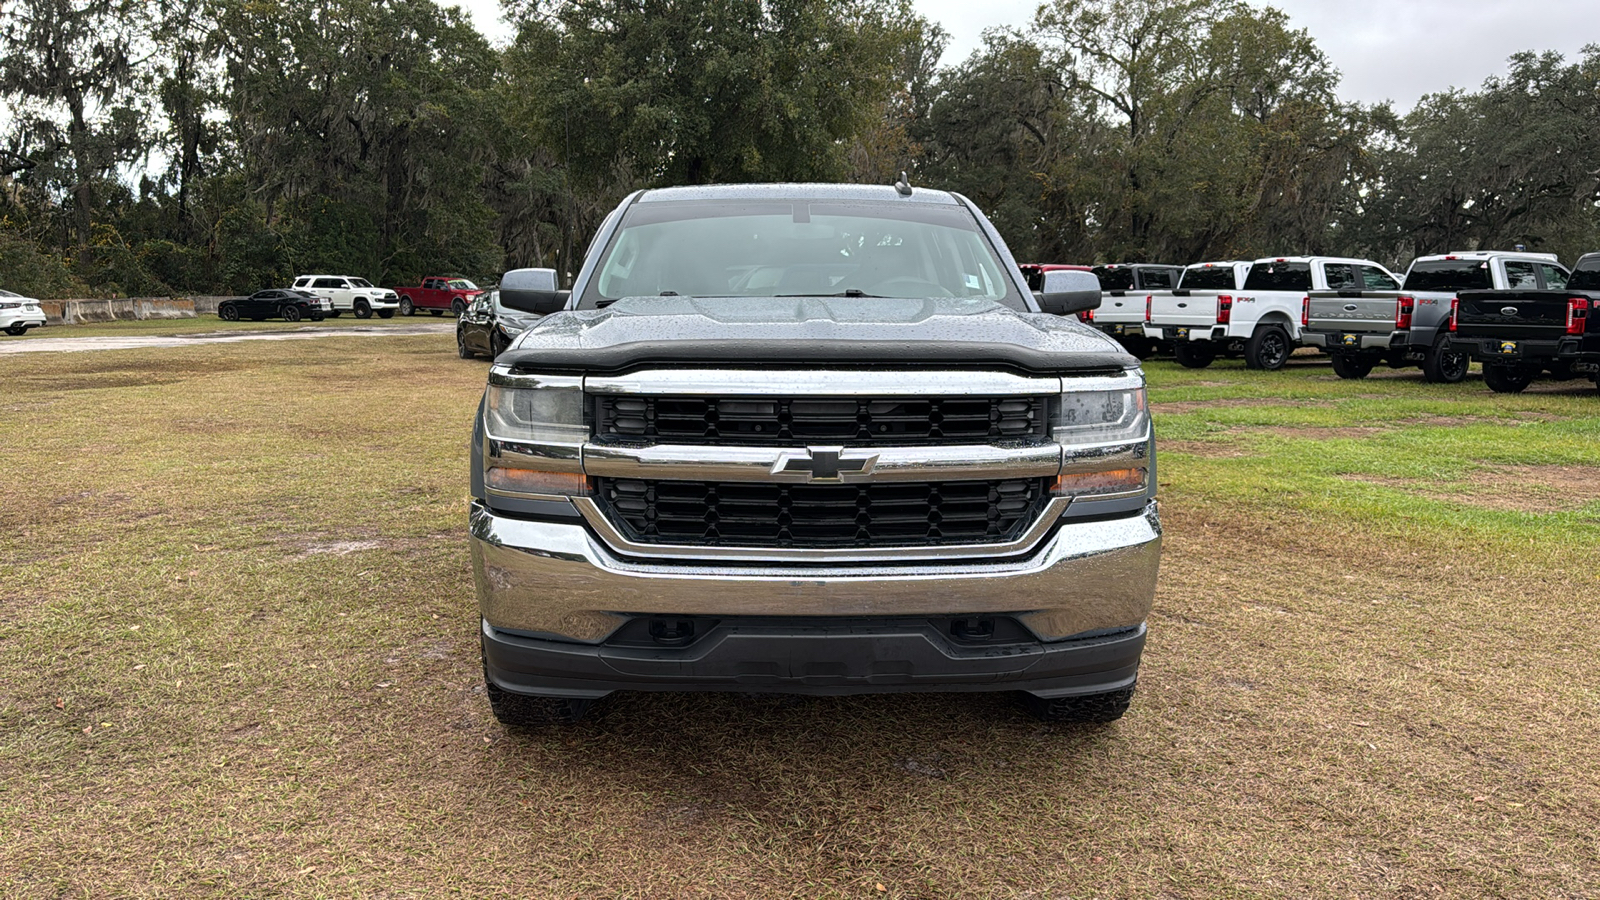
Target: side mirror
(1063, 292)
(532, 290)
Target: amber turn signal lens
(1111, 481)
(534, 481)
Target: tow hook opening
(972, 629)
(672, 632)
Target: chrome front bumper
(548, 579)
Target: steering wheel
(923, 289)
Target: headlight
(1101, 416)
(551, 413)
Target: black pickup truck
(1519, 335)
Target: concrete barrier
(77, 312)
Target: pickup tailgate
(1355, 312)
(1183, 308)
(1512, 315)
(1121, 308)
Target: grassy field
(238, 659)
(209, 322)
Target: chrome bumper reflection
(556, 579)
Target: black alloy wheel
(497, 344)
(363, 311)
(1444, 366)
(461, 345)
(1268, 349)
(290, 313)
(227, 312)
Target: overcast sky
(1387, 49)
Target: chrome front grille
(865, 421)
(758, 514)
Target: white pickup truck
(1263, 317)
(1200, 287)
(350, 294)
(1362, 321)
(1121, 311)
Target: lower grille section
(745, 514)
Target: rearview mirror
(532, 290)
(1064, 291)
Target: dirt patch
(1527, 489)
(1208, 449)
(1321, 433)
(1186, 406)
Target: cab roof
(837, 192)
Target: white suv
(347, 292)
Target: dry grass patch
(1524, 489)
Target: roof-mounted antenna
(903, 186)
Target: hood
(769, 331)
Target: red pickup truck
(437, 294)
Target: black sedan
(488, 328)
(286, 304)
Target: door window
(1520, 276)
(1341, 277)
(1555, 277)
(1376, 279)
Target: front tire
(461, 345)
(16, 329)
(227, 312)
(1194, 355)
(1086, 709)
(1443, 366)
(290, 313)
(1507, 379)
(406, 309)
(457, 307)
(1268, 349)
(497, 345)
(1351, 367)
(385, 313)
(363, 311)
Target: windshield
(756, 248)
(1207, 278)
(1114, 278)
(1279, 276)
(1449, 275)
(461, 284)
(1586, 277)
(8, 294)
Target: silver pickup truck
(1364, 319)
(816, 439)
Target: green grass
(238, 659)
(209, 322)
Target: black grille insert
(758, 514)
(819, 420)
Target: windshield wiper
(849, 292)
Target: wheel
(16, 329)
(228, 312)
(437, 312)
(1087, 709)
(523, 711)
(363, 311)
(1507, 379)
(335, 314)
(290, 313)
(406, 309)
(385, 313)
(457, 307)
(1351, 367)
(1140, 347)
(461, 345)
(1442, 366)
(1194, 355)
(497, 345)
(1268, 349)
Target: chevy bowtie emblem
(822, 464)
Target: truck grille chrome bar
(765, 421)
